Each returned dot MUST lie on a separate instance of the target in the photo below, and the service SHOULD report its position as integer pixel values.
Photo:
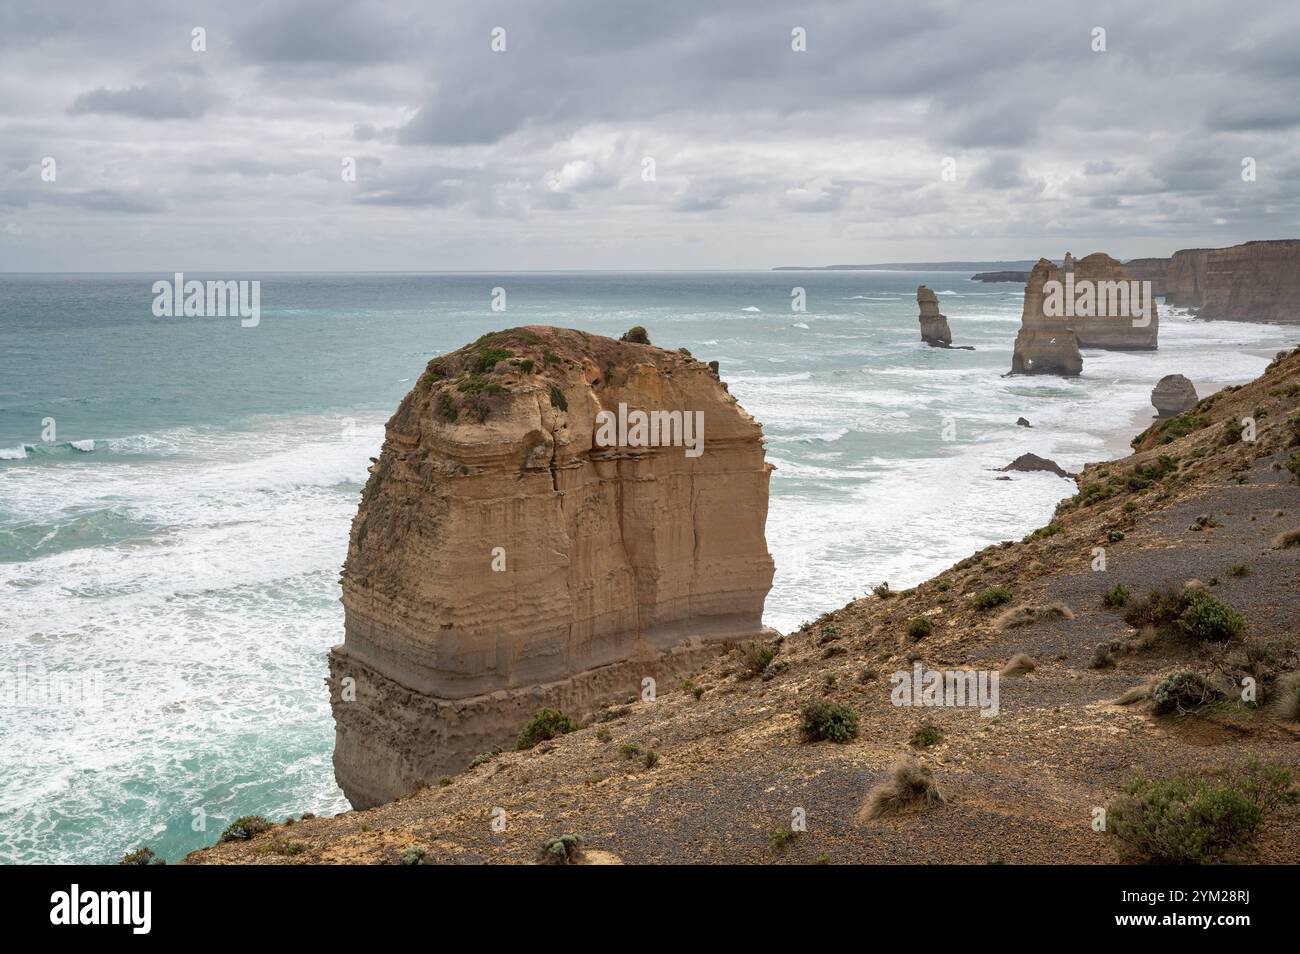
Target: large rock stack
(1044, 345)
(504, 559)
(1173, 394)
(934, 326)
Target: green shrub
(882, 591)
(821, 720)
(920, 627)
(1116, 596)
(447, 406)
(1182, 692)
(564, 850)
(245, 827)
(489, 358)
(141, 856)
(547, 724)
(1181, 426)
(756, 657)
(1232, 431)
(629, 750)
(558, 399)
(781, 837)
(1239, 569)
(1208, 618)
(603, 734)
(926, 736)
(1187, 820)
(993, 596)
(637, 335)
(413, 855)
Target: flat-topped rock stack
(934, 326)
(514, 550)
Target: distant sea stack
(1153, 270)
(514, 551)
(1257, 281)
(1044, 345)
(934, 326)
(1172, 395)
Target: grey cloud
(158, 100)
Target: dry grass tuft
(1018, 665)
(1024, 615)
(910, 785)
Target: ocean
(175, 494)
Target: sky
(551, 134)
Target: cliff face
(503, 560)
(1257, 281)
(1044, 345)
(934, 326)
(1186, 277)
(1153, 270)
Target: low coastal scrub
(636, 335)
(1116, 596)
(991, 597)
(821, 720)
(1192, 613)
(141, 856)
(909, 787)
(245, 827)
(1197, 820)
(1182, 691)
(564, 850)
(925, 736)
(1287, 540)
(547, 724)
(755, 658)
(919, 627)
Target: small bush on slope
(547, 724)
(1196, 820)
(820, 720)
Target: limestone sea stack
(1172, 395)
(934, 326)
(1044, 345)
(1117, 322)
(516, 548)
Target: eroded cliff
(504, 559)
(1256, 281)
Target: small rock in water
(1021, 422)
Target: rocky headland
(1153, 270)
(512, 553)
(1145, 632)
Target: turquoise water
(176, 544)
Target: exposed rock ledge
(501, 561)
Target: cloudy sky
(535, 156)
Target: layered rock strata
(1153, 270)
(1119, 320)
(934, 326)
(1172, 395)
(1257, 281)
(1186, 277)
(516, 548)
